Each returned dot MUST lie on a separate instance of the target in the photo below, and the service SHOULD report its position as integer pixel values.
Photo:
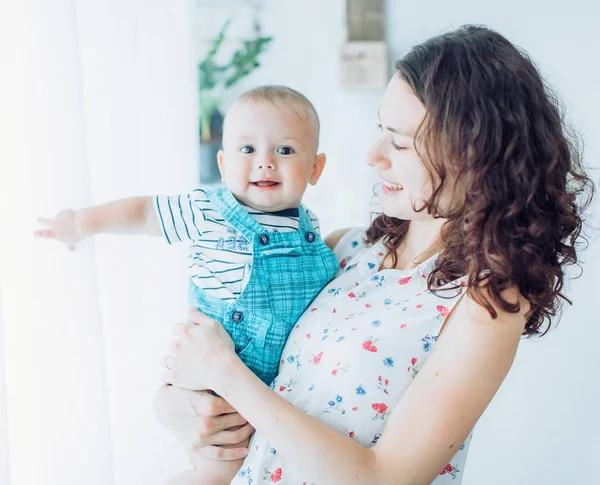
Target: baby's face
(269, 154)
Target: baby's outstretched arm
(135, 215)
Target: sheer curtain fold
(107, 95)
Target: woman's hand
(204, 424)
(201, 355)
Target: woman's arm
(428, 425)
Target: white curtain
(102, 105)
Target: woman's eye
(247, 149)
(397, 147)
(285, 150)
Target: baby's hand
(62, 229)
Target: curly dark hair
(495, 139)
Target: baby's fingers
(47, 233)
(45, 222)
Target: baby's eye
(285, 150)
(247, 149)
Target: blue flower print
(340, 338)
(272, 451)
(375, 439)
(354, 244)
(247, 474)
(371, 265)
(387, 301)
(294, 359)
(376, 323)
(428, 341)
(388, 362)
(334, 405)
(360, 390)
(379, 279)
(311, 388)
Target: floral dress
(353, 353)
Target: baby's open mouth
(265, 183)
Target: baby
(256, 257)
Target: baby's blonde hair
(282, 94)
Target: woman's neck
(422, 241)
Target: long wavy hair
(495, 143)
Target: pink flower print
(313, 309)
(444, 312)
(334, 310)
(382, 384)
(355, 408)
(413, 367)
(343, 368)
(403, 326)
(317, 358)
(351, 295)
(307, 336)
(404, 281)
(451, 470)
(351, 434)
(273, 477)
(380, 254)
(343, 263)
(419, 306)
(288, 386)
(369, 345)
(367, 305)
(381, 409)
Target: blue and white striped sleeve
(181, 217)
(314, 221)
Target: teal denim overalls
(288, 270)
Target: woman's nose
(377, 156)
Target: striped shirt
(220, 258)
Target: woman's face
(406, 183)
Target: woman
(395, 361)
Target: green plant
(215, 78)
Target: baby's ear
(317, 168)
(221, 163)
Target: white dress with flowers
(353, 354)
